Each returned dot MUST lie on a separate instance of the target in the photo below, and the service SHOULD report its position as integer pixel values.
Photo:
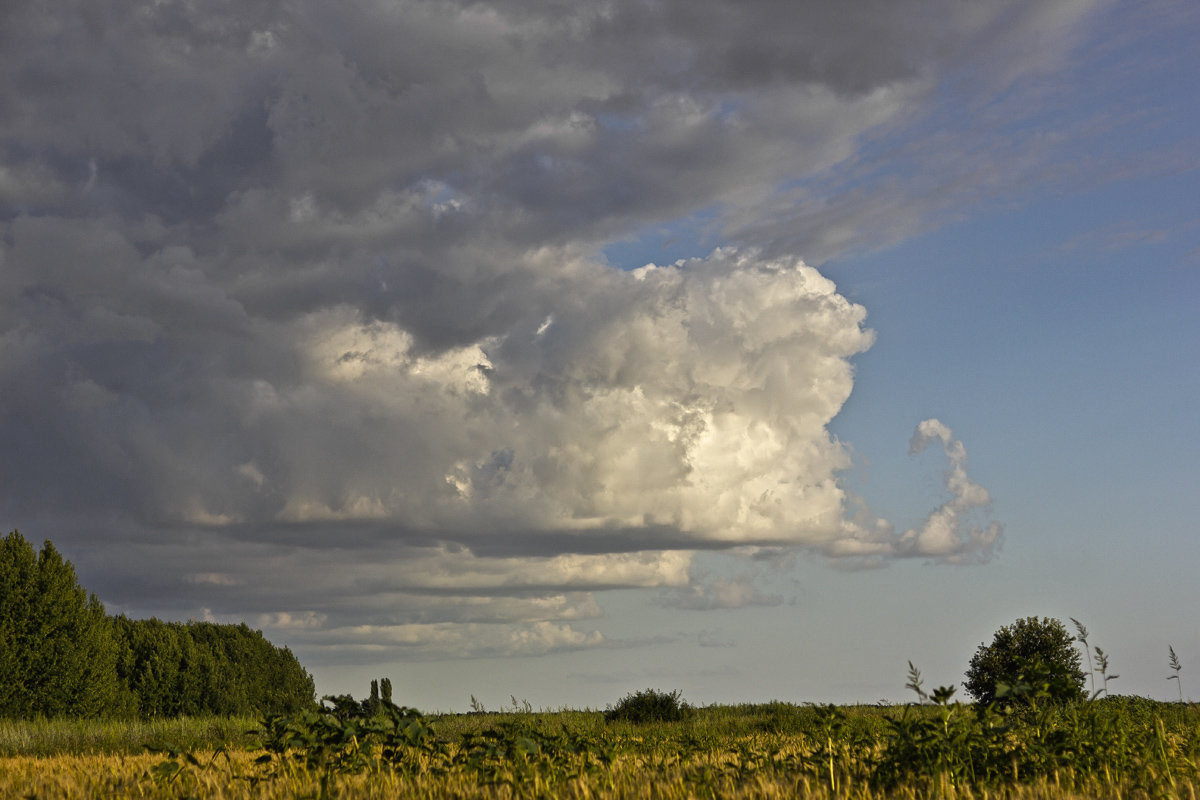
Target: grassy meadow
(1113, 747)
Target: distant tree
(175, 668)
(1029, 657)
(57, 652)
(61, 655)
(269, 678)
(372, 705)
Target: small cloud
(546, 637)
(212, 579)
(291, 621)
(446, 640)
(719, 593)
(947, 534)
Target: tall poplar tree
(57, 652)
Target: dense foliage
(172, 669)
(1030, 654)
(62, 655)
(649, 705)
(57, 651)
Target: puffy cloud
(364, 643)
(692, 397)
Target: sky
(547, 351)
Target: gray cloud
(304, 312)
(714, 638)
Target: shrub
(1029, 658)
(649, 706)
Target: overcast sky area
(557, 350)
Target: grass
(1113, 747)
(632, 776)
(52, 737)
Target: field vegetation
(42, 737)
(1028, 747)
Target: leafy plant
(179, 763)
(347, 738)
(941, 695)
(1102, 669)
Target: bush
(649, 706)
(1027, 659)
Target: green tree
(153, 668)
(57, 652)
(1029, 657)
(61, 655)
(173, 668)
(248, 674)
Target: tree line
(61, 654)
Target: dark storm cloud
(294, 292)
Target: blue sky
(336, 322)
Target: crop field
(1114, 747)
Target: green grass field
(1115, 747)
(53, 737)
